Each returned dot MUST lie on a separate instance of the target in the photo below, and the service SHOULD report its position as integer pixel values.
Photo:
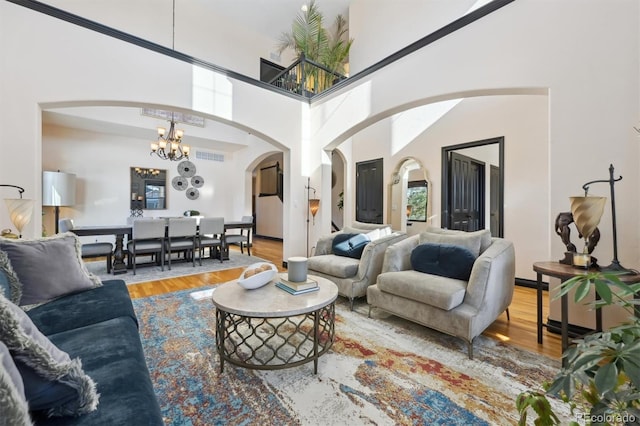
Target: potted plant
(311, 40)
(600, 379)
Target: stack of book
(293, 287)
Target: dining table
(120, 231)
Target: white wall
(101, 163)
(381, 27)
(195, 33)
(522, 120)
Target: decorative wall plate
(192, 193)
(180, 183)
(186, 168)
(197, 181)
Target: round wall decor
(197, 181)
(180, 183)
(186, 168)
(192, 193)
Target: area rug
(178, 269)
(380, 371)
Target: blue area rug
(380, 370)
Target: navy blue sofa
(100, 327)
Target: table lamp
(58, 190)
(20, 210)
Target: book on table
(295, 292)
(298, 285)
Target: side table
(564, 273)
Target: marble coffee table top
(271, 302)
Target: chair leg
(470, 349)
(351, 302)
(508, 316)
(109, 263)
(248, 249)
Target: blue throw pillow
(445, 260)
(350, 245)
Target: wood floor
(520, 331)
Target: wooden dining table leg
(119, 266)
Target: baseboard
(573, 330)
(266, 237)
(523, 282)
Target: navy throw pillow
(445, 260)
(350, 245)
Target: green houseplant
(600, 379)
(310, 39)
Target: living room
(563, 94)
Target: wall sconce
(20, 210)
(58, 190)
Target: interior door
(495, 201)
(466, 193)
(369, 187)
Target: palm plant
(601, 376)
(311, 41)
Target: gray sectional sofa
(460, 307)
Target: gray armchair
(352, 276)
(460, 308)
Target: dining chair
(182, 235)
(211, 234)
(147, 238)
(243, 238)
(89, 250)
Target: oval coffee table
(270, 329)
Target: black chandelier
(170, 147)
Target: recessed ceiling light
(304, 8)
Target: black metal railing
(306, 78)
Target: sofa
(353, 273)
(464, 281)
(89, 335)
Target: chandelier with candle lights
(169, 146)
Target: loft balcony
(306, 78)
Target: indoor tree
(311, 40)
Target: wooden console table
(564, 273)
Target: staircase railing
(306, 78)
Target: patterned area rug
(380, 371)
(178, 269)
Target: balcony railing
(306, 78)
